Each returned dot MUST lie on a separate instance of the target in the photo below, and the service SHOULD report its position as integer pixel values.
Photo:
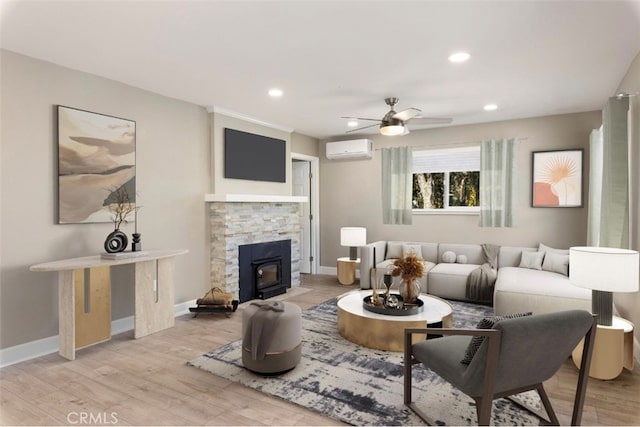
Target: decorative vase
(409, 290)
(116, 242)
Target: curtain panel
(609, 211)
(498, 183)
(397, 185)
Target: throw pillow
(544, 248)
(532, 260)
(461, 259)
(556, 263)
(394, 250)
(412, 249)
(486, 323)
(449, 257)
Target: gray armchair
(517, 355)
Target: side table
(347, 270)
(612, 350)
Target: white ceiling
(342, 58)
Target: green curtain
(595, 187)
(498, 182)
(611, 225)
(397, 181)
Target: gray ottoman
(271, 336)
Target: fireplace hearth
(264, 269)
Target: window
(446, 180)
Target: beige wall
(629, 304)
(222, 185)
(303, 144)
(350, 191)
(172, 153)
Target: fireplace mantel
(255, 198)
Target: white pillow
(532, 260)
(394, 250)
(412, 249)
(461, 259)
(449, 257)
(556, 263)
(544, 248)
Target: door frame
(315, 206)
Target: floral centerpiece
(410, 269)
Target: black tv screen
(254, 157)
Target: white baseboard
(42, 347)
(333, 271)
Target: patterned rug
(362, 386)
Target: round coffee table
(385, 332)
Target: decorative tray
(401, 309)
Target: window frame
(449, 210)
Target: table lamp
(353, 237)
(604, 271)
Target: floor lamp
(353, 237)
(604, 271)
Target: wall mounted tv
(254, 157)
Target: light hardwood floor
(146, 381)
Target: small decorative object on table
(121, 208)
(410, 268)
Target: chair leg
(483, 408)
(407, 369)
(547, 405)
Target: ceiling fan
(395, 123)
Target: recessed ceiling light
(275, 92)
(490, 107)
(459, 57)
(352, 123)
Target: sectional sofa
(528, 279)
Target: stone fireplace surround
(236, 220)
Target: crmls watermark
(91, 418)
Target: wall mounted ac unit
(354, 149)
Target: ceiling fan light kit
(391, 130)
(393, 124)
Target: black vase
(116, 242)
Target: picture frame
(96, 161)
(557, 178)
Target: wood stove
(264, 269)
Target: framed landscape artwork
(96, 158)
(557, 179)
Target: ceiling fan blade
(405, 115)
(366, 127)
(360, 118)
(431, 120)
(406, 131)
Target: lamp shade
(353, 236)
(604, 269)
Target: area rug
(362, 386)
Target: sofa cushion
(556, 263)
(532, 260)
(450, 280)
(412, 249)
(461, 259)
(394, 250)
(510, 256)
(544, 248)
(473, 252)
(449, 257)
(477, 340)
(522, 289)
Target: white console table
(84, 297)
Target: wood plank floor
(146, 381)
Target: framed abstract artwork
(96, 159)
(557, 179)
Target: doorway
(304, 171)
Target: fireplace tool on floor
(215, 301)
